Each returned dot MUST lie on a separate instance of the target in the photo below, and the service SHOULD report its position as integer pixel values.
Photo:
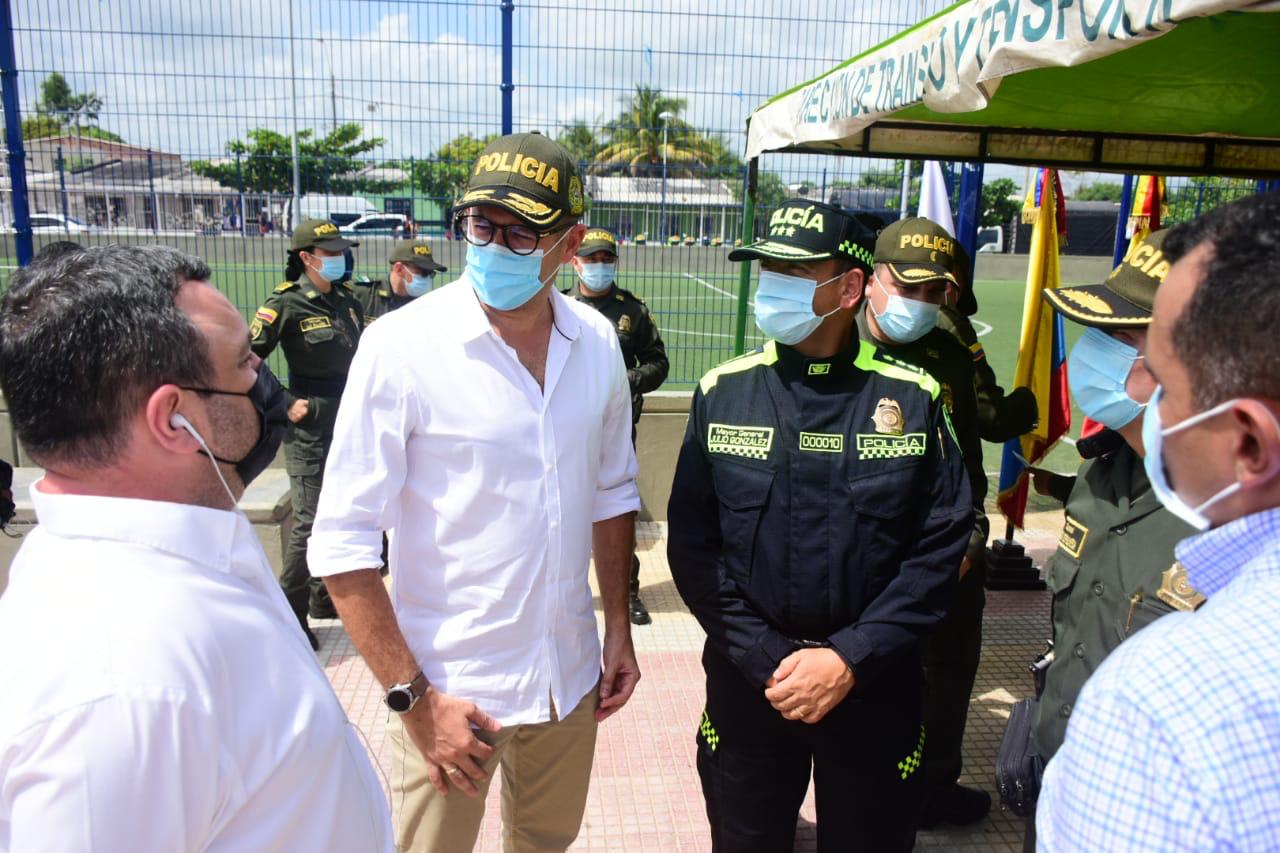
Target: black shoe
(323, 610)
(956, 805)
(311, 638)
(639, 613)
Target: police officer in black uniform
(411, 274)
(317, 323)
(916, 262)
(642, 351)
(819, 511)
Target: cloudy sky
(187, 75)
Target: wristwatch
(402, 697)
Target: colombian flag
(1148, 208)
(1042, 362)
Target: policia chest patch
(876, 446)
(751, 442)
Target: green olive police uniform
(917, 250)
(377, 297)
(643, 354)
(1000, 416)
(817, 502)
(318, 333)
(1114, 571)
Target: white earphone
(179, 421)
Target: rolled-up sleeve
(366, 466)
(616, 489)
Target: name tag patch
(873, 446)
(751, 442)
(1073, 536)
(313, 323)
(820, 369)
(822, 442)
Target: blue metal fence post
(13, 137)
(507, 86)
(240, 186)
(970, 210)
(1122, 219)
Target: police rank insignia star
(624, 323)
(1176, 591)
(888, 417)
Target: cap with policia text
(319, 234)
(917, 250)
(597, 240)
(801, 231)
(417, 254)
(1125, 299)
(530, 175)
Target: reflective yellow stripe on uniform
(867, 360)
(765, 356)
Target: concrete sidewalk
(645, 794)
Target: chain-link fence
(203, 124)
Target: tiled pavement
(645, 794)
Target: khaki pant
(546, 768)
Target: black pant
(306, 446)
(864, 756)
(951, 654)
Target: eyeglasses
(479, 231)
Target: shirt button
(1079, 650)
(1121, 530)
(1098, 588)
(1064, 711)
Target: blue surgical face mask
(1153, 434)
(904, 320)
(501, 278)
(332, 268)
(419, 284)
(596, 277)
(784, 307)
(1097, 370)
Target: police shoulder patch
(255, 329)
(285, 285)
(267, 315)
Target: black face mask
(267, 396)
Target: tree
(771, 191)
(445, 175)
(581, 141)
(1098, 192)
(264, 162)
(636, 140)
(1000, 201)
(59, 107)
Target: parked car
(376, 224)
(44, 223)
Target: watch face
(399, 700)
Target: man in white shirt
(488, 427)
(157, 694)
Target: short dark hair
(84, 340)
(1226, 337)
(56, 249)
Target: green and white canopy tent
(1180, 87)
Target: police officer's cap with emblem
(597, 240)
(801, 231)
(416, 253)
(1125, 299)
(918, 250)
(530, 175)
(319, 234)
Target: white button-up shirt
(489, 486)
(157, 695)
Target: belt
(309, 386)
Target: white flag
(934, 203)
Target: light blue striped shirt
(1175, 741)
